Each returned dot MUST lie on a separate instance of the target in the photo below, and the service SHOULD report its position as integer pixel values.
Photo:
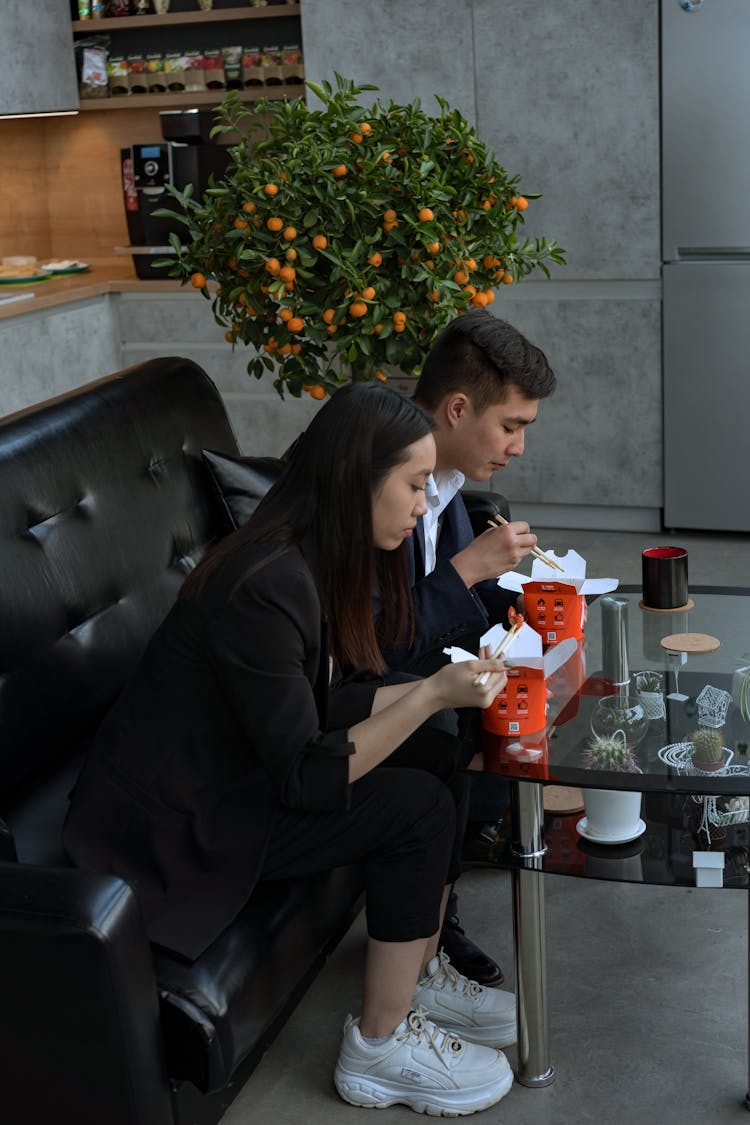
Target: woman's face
(400, 499)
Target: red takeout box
(554, 602)
(522, 706)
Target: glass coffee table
(676, 822)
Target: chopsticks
(498, 521)
(505, 643)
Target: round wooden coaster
(689, 604)
(690, 642)
(562, 799)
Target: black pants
(402, 824)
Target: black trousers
(401, 824)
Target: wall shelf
(186, 98)
(171, 19)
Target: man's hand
(494, 551)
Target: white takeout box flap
(574, 575)
(525, 651)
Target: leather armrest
(79, 1001)
(482, 505)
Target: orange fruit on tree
(365, 128)
(240, 224)
(229, 337)
(489, 262)
(318, 393)
(400, 326)
(426, 215)
(273, 266)
(434, 295)
(369, 293)
(389, 226)
(358, 308)
(328, 316)
(520, 202)
(296, 324)
(285, 349)
(433, 247)
(291, 254)
(287, 273)
(285, 313)
(470, 264)
(470, 289)
(381, 376)
(460, 277)
(290, 233)
(275, 223)
(271, 189)
(430, 264)
(490, 295)
(356, 138)
(249, 207)
(389, 216)
(198, 281)
(339, 171)
(375, 259)
(507, 278)
(479, 300)
(332, 329)
(319, 242)
(378, 329)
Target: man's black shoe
(466, 957)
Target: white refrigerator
(706, 262)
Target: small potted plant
(612, 815)
(709, 753)
(649, 687)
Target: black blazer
(227, 719)
(447, 612)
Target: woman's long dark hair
(340, 461)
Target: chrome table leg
(528, 845)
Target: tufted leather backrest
(105, 505)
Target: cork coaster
(689, 604)
(690, 642)
(562, 799)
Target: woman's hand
(456, 687)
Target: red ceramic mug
(665, 577)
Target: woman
(246, 747)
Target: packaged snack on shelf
(213, 67)
(195, 76)
(174, 71)
(157, 81)
(120, 8)
(92, 57)
(293, 72)
(252, 66)
(232, 67)
(117, 73)
(272, 73)
(137, 74)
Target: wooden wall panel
(24, 219)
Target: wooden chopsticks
(498, 521)
(505, 643)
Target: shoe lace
(442, 1043)
(450, 977)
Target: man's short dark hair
(485, 358)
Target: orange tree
(348, 237)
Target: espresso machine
(185, 155)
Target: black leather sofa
(105, 504)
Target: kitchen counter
(104, 277)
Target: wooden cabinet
(189, 28)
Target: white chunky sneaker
(481, 1015)
(421, 1066)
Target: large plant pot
(612, 816)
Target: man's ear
(454, 408)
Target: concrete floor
(647, 985)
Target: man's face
(478, 445)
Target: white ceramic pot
(611, 815)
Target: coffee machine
(185, 155)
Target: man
(482, 382)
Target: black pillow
(240, 483)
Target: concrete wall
(567, 95)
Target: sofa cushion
(229, 1004)
(240, 483)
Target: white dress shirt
(438, 493)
